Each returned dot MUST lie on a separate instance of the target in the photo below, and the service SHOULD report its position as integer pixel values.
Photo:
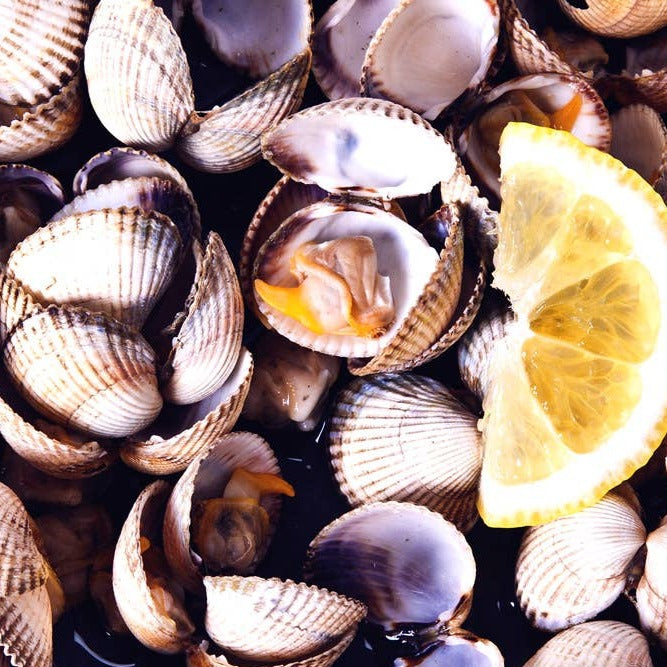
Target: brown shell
(406, 437)
(149, 624)
(15, 303)
(216, 415)
(227, 138)
(274, 620)
(84, 370)
(138, 76)
(45, 127)
(205, 478)
(206, 348)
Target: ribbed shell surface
(652, 588)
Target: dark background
(227, 203)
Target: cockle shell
(84, 370)
(595, 644)
(151, 625)
(126, 258)
(572, 568)
(15, 303)
(652, 589)
(170, 444)
(427, 53)
(270, 620)
(618, 18)
(370, 554)
(206, 347)
(205, 478)
(406, 437)
(457, 649)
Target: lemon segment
(577, 397)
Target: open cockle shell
(427, 53)
(157, 109)
(207, 345)
(205, 478)
(406, 437)
(340, 40)
(652, 589)
(572, 568)
(149, 623)
(183, 432)
(342, 147)
(595, 644)
(125, 259)
(550, 93)
(360, 555)
(84, 370)
(270, 620)
(618, 18)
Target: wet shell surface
(358, 555)
(618, 18)
(84, 370)
(340, 40)
(147, 618)
(126, 258)
(570, 569)
(458, 649)
(205, 478)
(183, 432)
(205, 350)
(406, 437)
(427, 53)
(274, 620)
(595, 644)
(652, 589)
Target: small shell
(652, 588)
(32, 131)
(205, 478)
(572, 568)
(342, 147)
(148, 622)
(361, 555)
(41, 48)
(132, 40)
(595, 644)
(270, 620)
(476, 347)
(458, 649)
(406, 437)
(227, 138)
(84, 370)
(206, 348)
(340, 40)
(125, 259)
(618, 18)
(22, 567)
(427, 53)
(181, 433)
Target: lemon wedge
(577, 399)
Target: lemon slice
(578, 388)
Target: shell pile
(362, 279)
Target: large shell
(340, 40)
(360, 555)
(84, 370)
(427, 53)
(182, 432)
(125, 260)
(205, 350)
(572, 568)
(652, 588)
(270, 620)
(595, 644)
(150, 624)
(618, 18)
(205, 478)
(342, 147)
(406, 437)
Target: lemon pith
(576, 400)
